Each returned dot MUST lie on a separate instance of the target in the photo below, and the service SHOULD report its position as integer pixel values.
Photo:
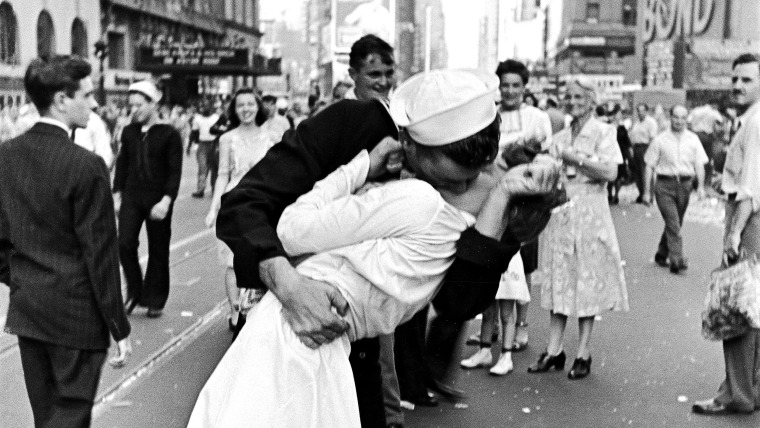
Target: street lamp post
(101, 52)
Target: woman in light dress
(239, 150)
(580, 267)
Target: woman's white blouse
(386, 249)
(597, 141)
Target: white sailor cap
(440, 107)
(146, 88)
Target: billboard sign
(356, 18)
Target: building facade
(690, 44)
(35, 28)
(197, 48)
(595, 38)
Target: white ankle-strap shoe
(481, 358)
(503, 366)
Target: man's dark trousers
(61, 382)
(672, 195)
(208, 163)
(153, 291)
(411, 366)
(638, 166)
(364, 359)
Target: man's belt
(675, 177)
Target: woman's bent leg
(585, 327)
(557, 324)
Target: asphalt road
(649, 364)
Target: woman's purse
(732, 305)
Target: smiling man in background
(372, 68)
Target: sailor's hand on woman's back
(307, 305)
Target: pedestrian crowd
(340, 229)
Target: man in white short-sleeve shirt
(676, 157)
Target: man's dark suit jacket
(58, 227)
(249, 213)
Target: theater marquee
(193, 60)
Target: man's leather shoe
(130, 305)
(660, 260)
(154, 312)
(428, 400)
(678, 267)
(711, 408)
(447, 391)
(197, 195)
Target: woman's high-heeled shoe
(581, 368)
(546, 362)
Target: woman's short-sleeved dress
(580, 268)
(245, 153)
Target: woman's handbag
(732, 306)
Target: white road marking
(183, 242)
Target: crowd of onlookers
(186, 119)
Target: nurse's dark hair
(475, 151)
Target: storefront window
(8, 34)
(45, 35)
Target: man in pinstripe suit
(58, 249)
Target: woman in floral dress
(580, 267)
(239, 150)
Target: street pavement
(649, 364)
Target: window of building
(116, 54)
(45, 35)
(629, 12)
(592, 12)
(8, 35)
(79, 39)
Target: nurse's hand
(386, 158)
(539, 177)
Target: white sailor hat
(146, 88)
(440, 107)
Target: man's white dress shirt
(95, 138)
(741, 173)
(676, 155)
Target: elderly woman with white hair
(580, 267)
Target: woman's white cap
(146, 88)
(440, 107)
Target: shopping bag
(732, 305)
